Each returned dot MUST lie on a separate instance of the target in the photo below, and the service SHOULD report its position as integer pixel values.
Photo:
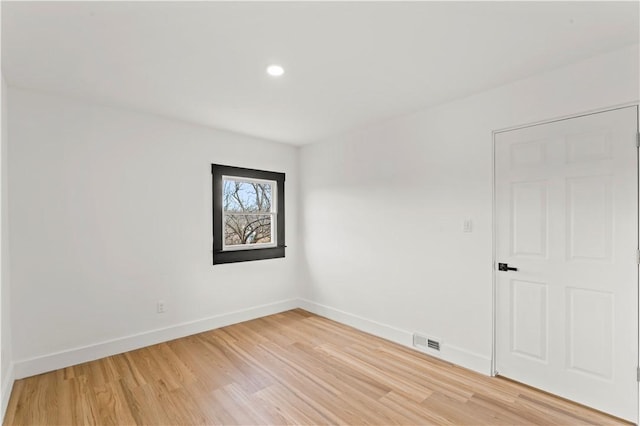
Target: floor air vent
(419, 341)
(433, 344)
(424, 342)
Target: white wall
(6, 373)
(383, 208)
(110, 212)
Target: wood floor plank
(112, 407)
(290, 368)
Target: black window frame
(221, 256)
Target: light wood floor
(290, 368)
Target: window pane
(241, 229)
(249, 197)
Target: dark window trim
(232, 256)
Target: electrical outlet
(467, 226)
(161, 306)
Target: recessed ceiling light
(275, 70)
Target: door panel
(567, 219)
(529, 319)
(589, 218)
(590, 332)
(529, 219)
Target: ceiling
(347, 64)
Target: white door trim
(494, 224)
(564, 117)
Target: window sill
(246, 255)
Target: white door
(567, 220)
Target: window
(248, 214)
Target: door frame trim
(565, 117)
(494, 336)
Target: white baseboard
(54, 361)
(67, 358)
(449, 353)
(7, 387)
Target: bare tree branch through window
(247, 212)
